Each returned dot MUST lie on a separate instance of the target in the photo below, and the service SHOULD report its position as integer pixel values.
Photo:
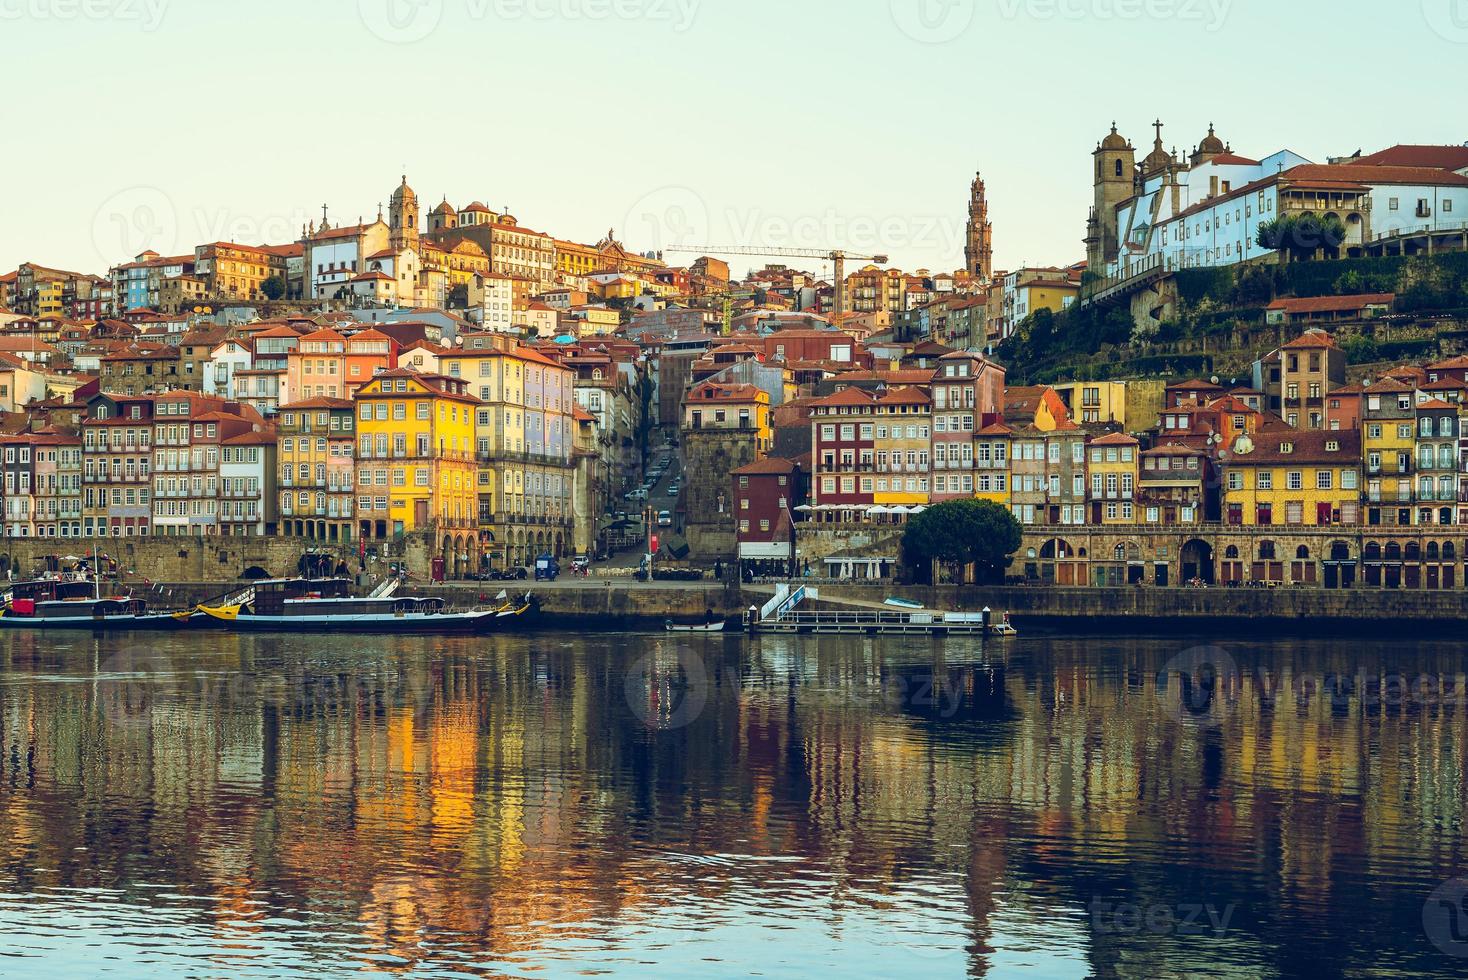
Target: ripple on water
(295, 806)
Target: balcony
(535, 459)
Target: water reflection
(251, 805)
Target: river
(633, 805)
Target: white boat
(904, 604)
(718, 627)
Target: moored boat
(673, 627)
(77, 603)
(327, 606)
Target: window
(1324, 480)
(1295, 480)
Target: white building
(492, 296)
(247, 497)
(1170, 213)
(225, 361)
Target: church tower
(979, 251)
(403, 217)
(1116, 173)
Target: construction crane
(837, 257)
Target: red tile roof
(1332, 304)
(770, 465)
(1417, 155)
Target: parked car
(547, 569)
(511, 574)
(665, 518)
(673, 490)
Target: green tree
(459, 297)
(1300, 236)
(1360, 349)
(961, 533)
(273, 288)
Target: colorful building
(1114, 469)
(524, 447)
(317, 443)
(1295, 478)
(415, 460)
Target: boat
(673, 627)
(76, 602)
(904, 604)
(327, 606)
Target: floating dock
(783, 615)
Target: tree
(1301, 236)
(964, 532)
(273, 288)
(459, 297)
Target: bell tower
(1115, 176)
(403, 217)
(978, 251)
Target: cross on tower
(1158, 126)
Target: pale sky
(162, 124)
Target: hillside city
(1254, 375)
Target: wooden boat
(673, 627)
(326, 606)
(77, 603)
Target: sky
(808, 124)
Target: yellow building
(1037, 406)
(594, 321)
(524, 445)
(575, 259)
(1095, 402)
(720, 405)
(1114, 463)
(1301, 478)
(316, 442)
(904, 418)
(459, 259)
(874, 290)
(1388, 432)
(991, 463)
(415, 458)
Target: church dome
(404, 192)
(444, 208)
(1114, 140)
(1211, 143)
